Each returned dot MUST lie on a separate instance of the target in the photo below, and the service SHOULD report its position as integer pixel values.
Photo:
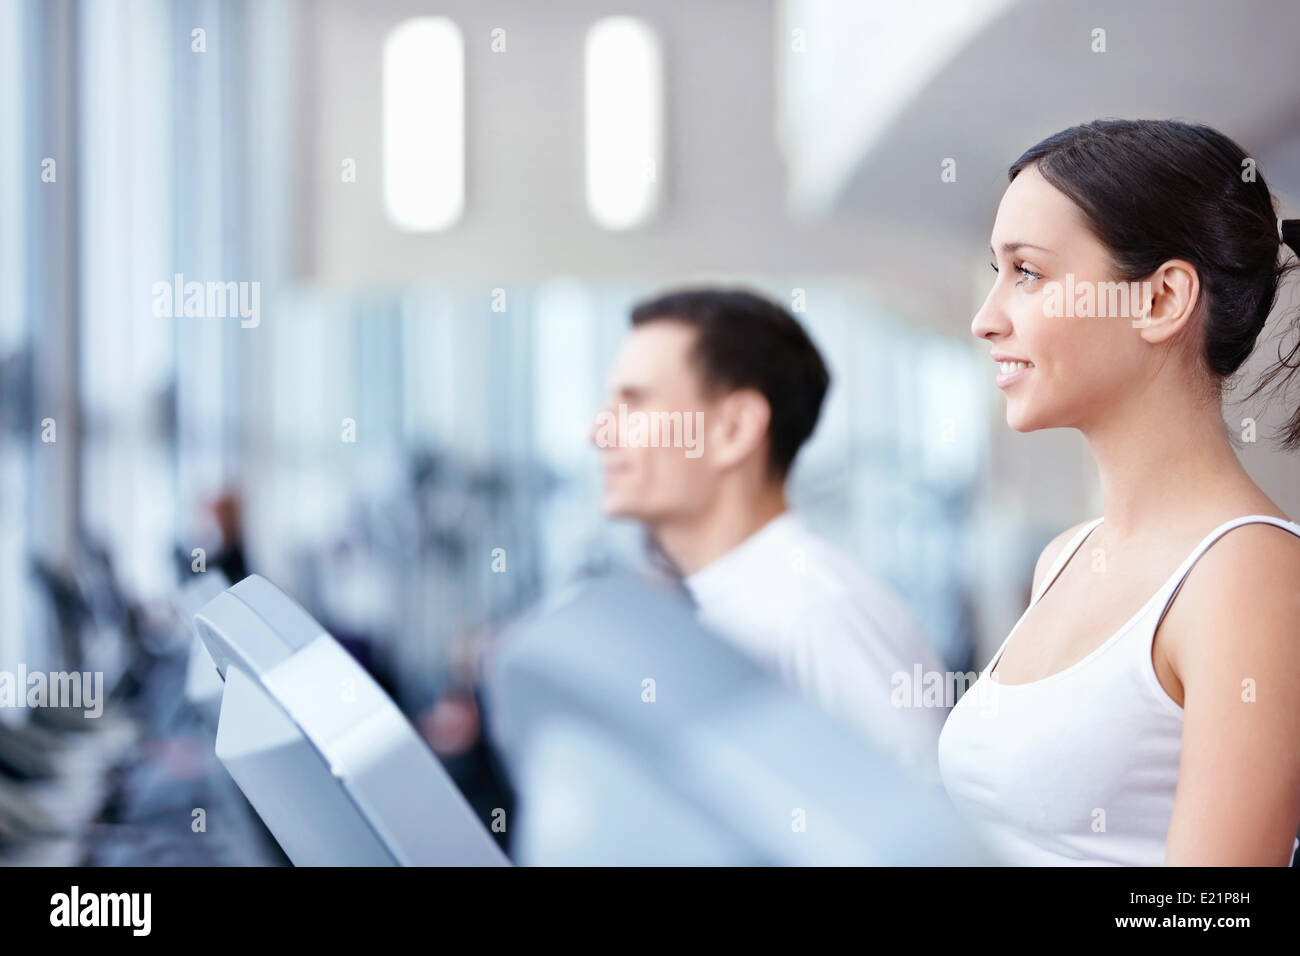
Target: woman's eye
(1029, 274)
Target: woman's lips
(1012, 370)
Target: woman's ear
(740, 427)
(1170, 297)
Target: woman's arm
(1234, 644)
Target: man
(711, 397)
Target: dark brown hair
(747, 341)
(1155, 190)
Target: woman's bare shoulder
(1053, 550)
(1247, 581)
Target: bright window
(424, 124)
(624, 118)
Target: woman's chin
(1020, 420)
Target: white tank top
(1081, 766)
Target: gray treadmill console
(203, 683)
(635, 736)
(334, 769)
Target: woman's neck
(1162, 459)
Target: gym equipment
(328, 761)
(636, 736)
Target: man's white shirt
(811, 614)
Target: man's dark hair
(747, 341)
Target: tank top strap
(1063, 559)
(1175, 582)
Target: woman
(1145, 709)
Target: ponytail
(1283, 371)
(1288, 231)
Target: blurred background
(413, 389)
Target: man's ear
(739, 429)
(1171, 295)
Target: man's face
(654, 380)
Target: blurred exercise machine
(332, 766)
(121, 788)
(718, 764)
(637, 737)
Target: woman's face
(1061, 367)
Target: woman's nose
(991, 320)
